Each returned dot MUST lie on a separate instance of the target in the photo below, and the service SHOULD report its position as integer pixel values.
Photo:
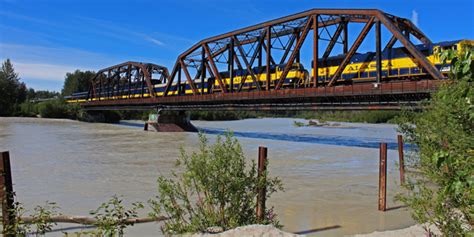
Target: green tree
(215, 187)
(77, 81)
(441, 192)
(12, 91)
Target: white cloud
(73, 57)
(50, 72)
(153, 40)
(414, 17)
(45, 67)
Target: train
(396, 65)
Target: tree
(441, 192)
(12, 92)
(76, 82)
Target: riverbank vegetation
(441, 192)
(379, 116)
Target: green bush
(111, 217)
(221, 115)
(215, 187)
(441, 192)
(375, 116)
(53, 109)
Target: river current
(330, 174)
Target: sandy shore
(270, 231)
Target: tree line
(16, 99)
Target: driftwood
(85, 220)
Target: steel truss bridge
(279, 41)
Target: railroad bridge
(249, 68)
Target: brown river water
(330, 174)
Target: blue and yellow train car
(396, 63)
(295, 77)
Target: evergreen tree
(12, 92)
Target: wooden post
(6, 192)
(262, 167)
(383, 177)
(401, 159)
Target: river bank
(330, 174)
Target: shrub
(111, 217)
(41, 219)
(298, 124)
(441, 192)
(216, 188)
(221, 115)
(27, 109)
(53, 109)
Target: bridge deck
(390, 95)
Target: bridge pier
(171, 122)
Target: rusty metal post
(315, 50)
(378, 50)
(231, 64)
(345, 35)
(401, 159)
(6, 192)
(262, 167)
(383, 177)
(259, 52)
(269, 55)
(179, 80)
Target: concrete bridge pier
(170, 122)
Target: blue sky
(47, 38)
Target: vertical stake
(262, 167)
(6, 192)
(401, 159)
(383, 177)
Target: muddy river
(330, 174)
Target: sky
(45, 39)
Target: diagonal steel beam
(333, 41)
(352, 51)
(418, 56)
(188, 77)
(390, 43)
(214, 68)
(414, 30)
(256, 53)
(290, 44)
(171, 77)
(298, 45)
(249, 67)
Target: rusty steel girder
(256, 47)
(126, 79)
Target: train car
(396, 64)
(296, 76)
